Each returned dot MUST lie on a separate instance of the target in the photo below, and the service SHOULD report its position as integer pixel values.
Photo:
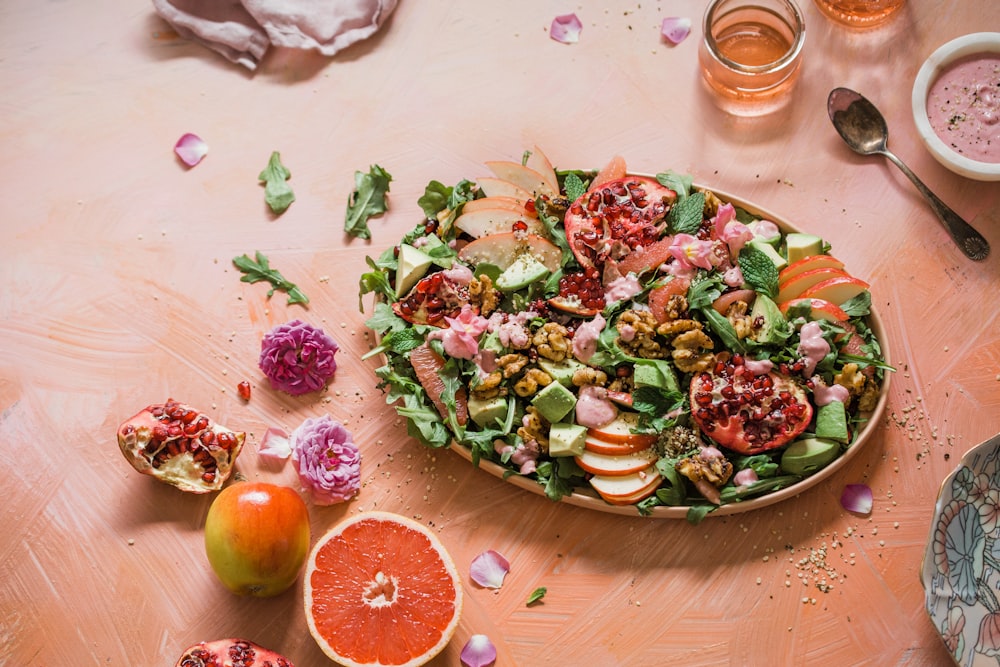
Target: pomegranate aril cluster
(585, 286)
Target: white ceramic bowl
(979, 42)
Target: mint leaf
(679, 183)
(277, 193)
(536, 595)
(574, 187)
(367, 200)
(686, 214)
(260, 270)
(759, 271)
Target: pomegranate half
(231, 653)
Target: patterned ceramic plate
(961, 569)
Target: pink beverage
(860, 13)
(751, 53)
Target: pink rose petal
(857, 498)
(489, 569)
(675, 29)
(275, 445)
(479, 651)
(190, 148)
(566, 29)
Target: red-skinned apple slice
(502, 249)
(507, 203)
(627, 489)
(540, 162)
(795, 286)
(808, 264)
(599, 446)
(620, 430)
(820, 309)
(522, 176)
(837, 290)
(615, 465)
(484, 222)
(498, 187)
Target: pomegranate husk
(181, 446)
(231, 652)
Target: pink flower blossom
(461, 337)
(297, 357)
(690, 251)
(327, 460)
(731, 232)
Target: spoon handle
(968, 239)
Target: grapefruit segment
(427, 364)
(381, 590)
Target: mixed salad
(630, 337)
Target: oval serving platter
(586, 497)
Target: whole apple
(257, 538)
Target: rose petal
(479, 651)
(275, 445)
(489, 569)
(857, 498)
(675, 29)
(190, 148)
(566, 29)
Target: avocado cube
(560, 371)
(772, 254)
(524, 271)
(806, 456)
(831, 421)
(655, 373)
(411, 267)
(774, 327)
(799, 246)
(487, 411)
(554, 401)
(567, 439)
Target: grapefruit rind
(372, 553)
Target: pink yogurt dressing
(963, 106)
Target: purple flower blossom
(297, 357)
(327, 460)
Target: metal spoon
(863, 128)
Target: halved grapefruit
(381, 591)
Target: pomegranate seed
(520, 226)
(243, 389)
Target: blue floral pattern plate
(961, 568)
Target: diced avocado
(655, 373)
(560, 371)
(524, 271)
(772, 254)
(492, 271)
(806, 456)
(554, 401)
(567, 439)
(799, 246)
(411, 267)
(831, 422)
(486, 411)
(774, 327)
(432, 241)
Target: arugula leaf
(859, 306)
(686, 215)
(368, 199)
(385, 319)
(679, 183)
(536, 595)
(434, 199)
(758, 270)
(277, 193)
(260, 270)
(574, 187)
(376, 281)
(653, 403)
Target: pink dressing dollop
(622, 288)
(585, 338)
(812, 346)
(594, 408)
(824, 395)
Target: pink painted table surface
(118, 292)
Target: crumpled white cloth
(242, 30)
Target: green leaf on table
(536, 595)
(368, 199)
(277, 193)
(261, 271)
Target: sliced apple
(522, 176)
(498, 187)
(627, 489)
(486, 221)
(836, 290)
(508, 203)
(615, 465)
(820, 309)
(538, 161)
(502, 249)
(620, 430)
(599, 446)
(796, 285)
(808, 264)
